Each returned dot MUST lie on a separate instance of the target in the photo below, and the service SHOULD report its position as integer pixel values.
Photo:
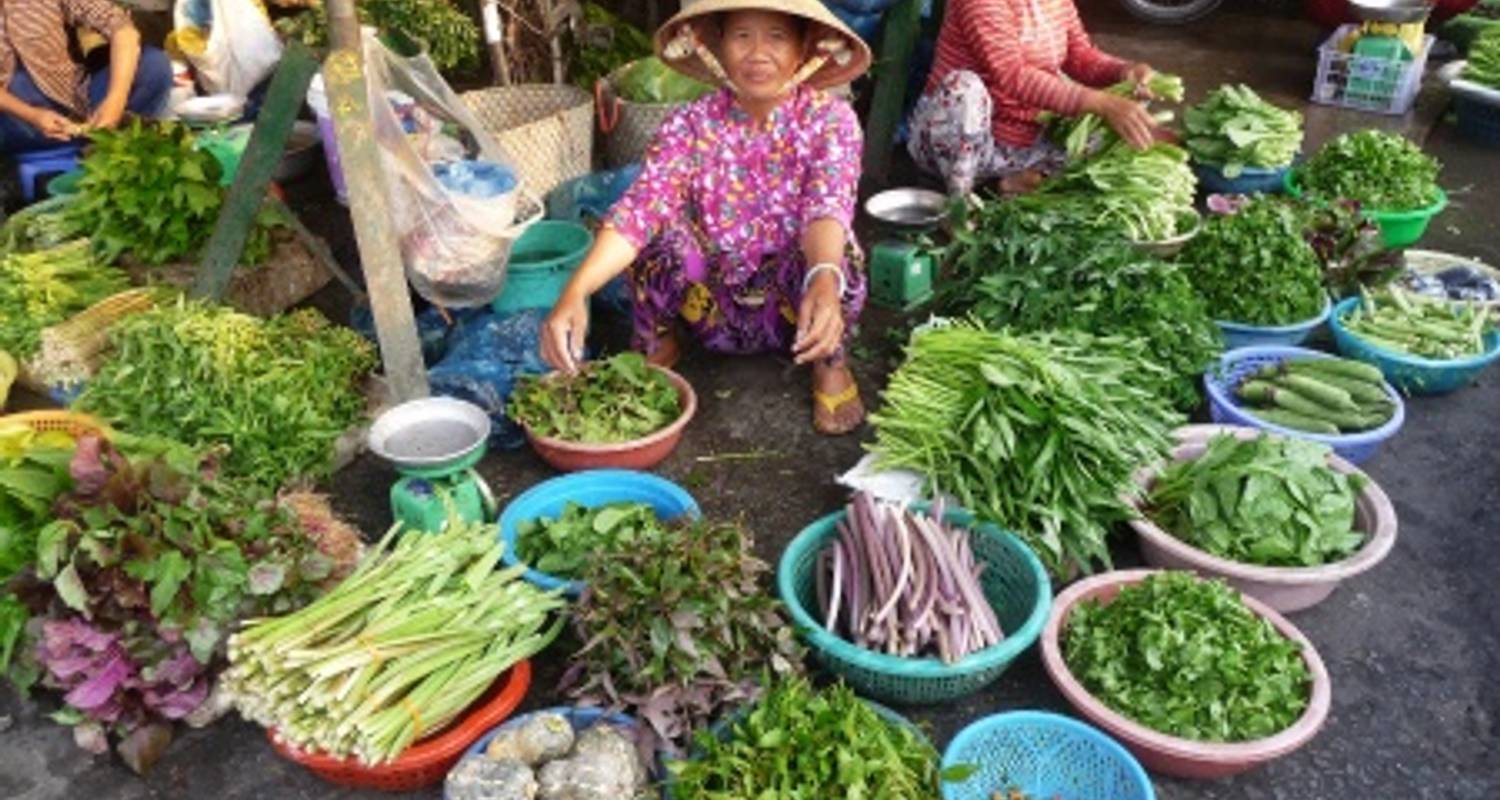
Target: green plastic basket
(1015, 584)
(1397, 228)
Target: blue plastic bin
(1251, 180)
(1412, 374)
(1044, 755)
(1237, 335)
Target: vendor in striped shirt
(999, 65)
(47, 96)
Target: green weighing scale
(901, 271)
(434, 443)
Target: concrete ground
(1413, 648)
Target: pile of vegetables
(1379, 170)
(1415, 325)
(399, 649)
(448, 34)
(1233, 128)
(1255, 266)
(1089, 133)
(541, 758)
(45, 287)
(1318, 395)
(679, 628)
(1270, 500)
(1146, 196)
(802, 742)
(905, 584)
(40, 226)
(1349, 247)
(563, 546)
(33, 472)
(651, 81)
(1186, 657)
(1039, 434)
(278, 392)
(620, 399)
(1484, 59)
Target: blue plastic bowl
(1237, 335)
(1225, 408)
(1044, 755)
(580, 718)
(1252, 180)
(590, 489)
(1412, 374)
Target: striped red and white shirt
(1026, 51)
(35, 34)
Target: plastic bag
(485, 356)
(454, 245)
(240, 49)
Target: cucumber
(1363, 393)
(1257, 392)
(1295, 421)
(1349, 368)
(1318, 391)
(1288, 400)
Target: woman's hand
(1141, 74)
(109, 114)
(820, 320)
(1128, 118)
(564, 331)
(53, 125)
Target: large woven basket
(627, 126)
(72, 349)
(547, 130)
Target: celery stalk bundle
(397, 651)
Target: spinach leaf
(1255, 267)
(616, 400)
(1234, 128)
(563, 546)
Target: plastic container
(64, 184)
(580, 718)
(1478, 120)
(1237, 335)
(1398, 229)
(1171, 755)
(541, 262)
(1251, 180)
(1378, 83)
(1225, 409)
(1044, 755)
(590, 489)
(1412, 374)
(1015, 584)
(1285, 589)
(427, 762)
(643, 453)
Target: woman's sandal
(833, 404)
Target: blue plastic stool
(32, 166)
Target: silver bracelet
(821, 267)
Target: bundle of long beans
(397, 651)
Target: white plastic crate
(1382, 85)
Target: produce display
(680, 628)
(40, 226)
(1186, 657)
(788, 742)
(1233, 128)
(1255, 266)
(45, 287)
(616, 400)
(1270, 500)
(1484, 59)
(650, 81)
(1089, 133)
(277, 392)
(1379, 170)
(1419, 326)
(400, 648)
(1145, 195)
(880, 581)
(445, 32)
(1318, 395)
(1039, 434)
(563, 546)
(1349, 246)
(543, 759)
(33, 472)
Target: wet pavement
(1413, 648)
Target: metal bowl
(908, 208)
(1397, 11)
(433, 433)
(1171, 246)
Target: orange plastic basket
(427, 762)
(69, 422)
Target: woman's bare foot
(837, 408)
(666, 353)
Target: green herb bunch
(1144, 195)
(1484, 58)
(1234, 128)
(45, 287)
(1038, 433)
(563, 546)
(606, 43)
(278, 392)
(616, 400)
(1379, 170)
(1089, 133)
(449, 35)
(1186, 657)
(1255, 266)
(802, 742)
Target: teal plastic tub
(541, 262)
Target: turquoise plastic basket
(1015, 584)
(1044, 755)
(1237, 335)
(1412, 374)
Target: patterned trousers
(951, 137)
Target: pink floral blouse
(750, 188)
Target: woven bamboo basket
(628, 126)
(71, 350)
(546, 129)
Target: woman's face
(761, 51)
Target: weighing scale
(434, 443)
(1390, 31)
(901, 272)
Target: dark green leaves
(1379, 170)
(1255, 267)
(1184, 656)
(563, 546)
(45, 287)
(615, 400)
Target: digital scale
(901, 272)
(434, 443)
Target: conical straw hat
(824, 23)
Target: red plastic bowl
(642, 454)
(427, 762)
(1172, 755)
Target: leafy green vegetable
(1255, 267)
(1039, 434)
(1484, 58)
(1234, 128)
(1186, 657)
(1270, 500)
(448, 33)
(606, 42)
(1350, 247)
(1379, 170)
(1145, 195)
(651, 81)
(1088, 133)
(616, 400)
(802, 742)
(563, 546)
(45, 287)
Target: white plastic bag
(241, 48)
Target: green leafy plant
(563, 546)
(605, 43)
(45, 287)
(1234, 128)
(1350, 247)
(1381, 171)
(1146, 196)
(449, 35)
(616, 400)
(1089, 133)
(651, 81)
(1255, 267)
(1484, 58)
(1186, 657)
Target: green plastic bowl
(1397, 228)
(64, 184)
(541, 262)
(1015, 584)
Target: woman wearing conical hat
(738, 231)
